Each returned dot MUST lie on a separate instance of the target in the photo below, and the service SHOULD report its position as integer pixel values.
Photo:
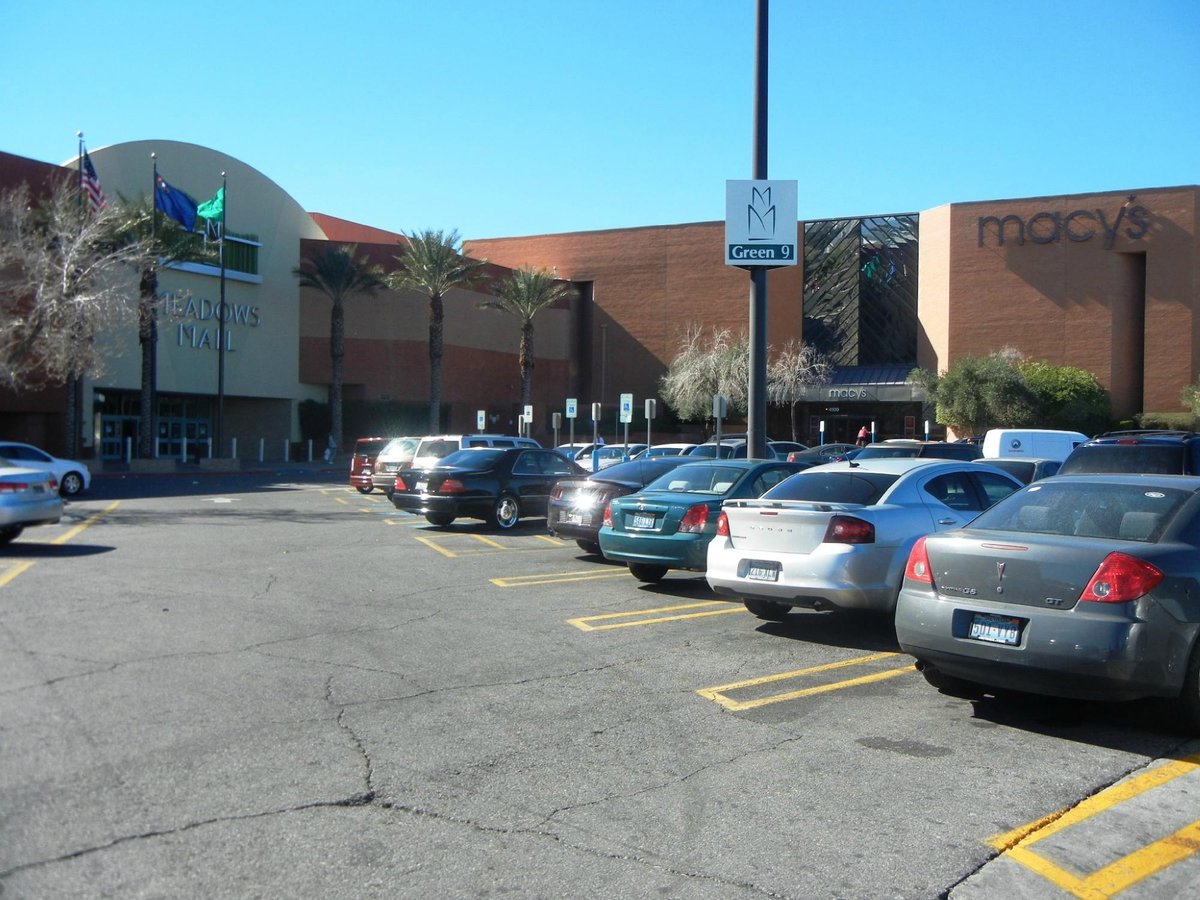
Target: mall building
(1108, 282)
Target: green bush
(1172, 421)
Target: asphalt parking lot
(242, 685)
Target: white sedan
(73, 476)
(27, 497)
(837, 536)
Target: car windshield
(1127, 512)
(369, 448)
(833, 487)
(474, 459)
(698, 479)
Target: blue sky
(541, 116)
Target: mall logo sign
(1080, 225)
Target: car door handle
(947, 521)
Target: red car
(362, 462)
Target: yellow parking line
(16, 570)
(86, 523)
(488, 541)
(637, 616)
(557, 578)
(436, 546)
(550, 540)
(1122, 873)
(718, 694)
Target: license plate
(571, 518)
(641, 520)
(759, 569)
(420, 486)
(995, 629)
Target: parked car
(1024, 470)
(675, 449)
(578, 452)
(577, 505)
(837, 536)
(783, 449)
(1078, 586)
(362, 463)
(727, 449)
(497, 484)
(610, 455)
(901, 448)
(434, 447)
(824, 453)
(1035, 443)
(1150, 452)
(668, 524)
(73, 477)
(27, 497)
(397, 454)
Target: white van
(433, 447)
(1030, 443)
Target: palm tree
(338, 274)
(524, 294)
(156, 241)
(433, 265)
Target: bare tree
(796, 368)
(703, 367)
(63, 280)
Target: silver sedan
(1078, 586)
(27, 497)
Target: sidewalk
(151, 467)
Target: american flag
(90, 183)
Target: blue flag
(175, 203)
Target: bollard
(233, 448)
(128, 450)
(287, 455)
(262, 449)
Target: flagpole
(153, 418)
(221, 333)
(79, 134)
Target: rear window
(476, 459)
(1127, 512)
(1144, 458)
(369, 448)
(833, 487)
(888, 452)
(638, 470)
(698, 479)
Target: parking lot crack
(359, 745)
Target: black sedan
(499, 485)
(577, 504)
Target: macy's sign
(1080, 225)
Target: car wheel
(768, 609)
(71, 484)
(505, 512)
(948, 684)
(8, 535)
(365, 490)
(648, 574)
(441, 520)
(1189, 697)
(589, 547)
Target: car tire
(365, 490)
(767, 609)
(71, 484)
(589, 547)
(441, 520)
(8, 535)
(648, 574)
(506, 512)
(1189, 697)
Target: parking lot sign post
(556, 423)
(651, 405)
(626, 415)
(596, 423)
(572, 411)
(720, 408)
(481, 420)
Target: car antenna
(853, 464)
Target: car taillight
(722, 525)
(451, 486)
(918, 563)
(607, 522)
(694, 519)
(849, 530)
(1121, 578)
(13, 487)
(399, 485)
(556, 492)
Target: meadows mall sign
(1078, 226)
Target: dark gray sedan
(1082, 586)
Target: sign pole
(756, 413)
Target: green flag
(214, 208)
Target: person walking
(863, 437)
(330, 448)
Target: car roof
(891, 465)
(1186, 482)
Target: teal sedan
(669, 523)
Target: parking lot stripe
(86, 523)
(718, 694)
(436, 546)
(556, 578)
(584, 623)
(488, 541)
(1121, 873)
(13, 572)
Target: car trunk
(781, 526)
